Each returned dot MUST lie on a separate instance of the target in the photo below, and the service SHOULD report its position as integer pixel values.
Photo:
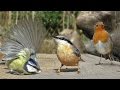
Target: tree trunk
(27, 14)
(68, 19)
(16, 19)
(63, 20)
(33, 15)
(74, 20)
(6, 18)
(9, 17)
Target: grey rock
(86, 21)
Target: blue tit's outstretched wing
(26, 34)
(10, 48)
(29, 33)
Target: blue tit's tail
(26, 34)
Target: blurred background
(78, 26)
(54, 21)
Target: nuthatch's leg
(58, 71)
(100, 60)
(78, 68)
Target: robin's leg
(100, 60)
(111, 59)
(58, 71)
(78, 68)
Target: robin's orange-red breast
(102, 41)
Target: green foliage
(52, 21)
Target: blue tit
(22, 44)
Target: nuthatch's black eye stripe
(63, 38)
(66, 40)
(70, 42)
(57, 37)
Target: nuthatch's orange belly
(67, 57)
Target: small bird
(75, 37)
(22, 44)
(67, 52)
(102, 41)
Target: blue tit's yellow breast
(17, 64)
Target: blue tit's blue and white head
(32, 65)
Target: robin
(102, 41)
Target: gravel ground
(49, 63)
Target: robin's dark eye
(96, 25)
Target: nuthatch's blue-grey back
(21, 46)
(67, 52)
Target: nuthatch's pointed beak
(54, 37)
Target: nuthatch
(102, 41)
(67, 52)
